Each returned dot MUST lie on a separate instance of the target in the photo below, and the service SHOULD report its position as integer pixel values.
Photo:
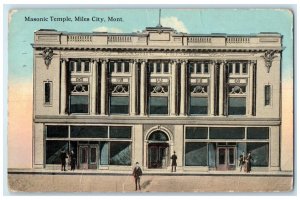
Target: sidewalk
(150, 172)
(29, 180)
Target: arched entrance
(158, 150)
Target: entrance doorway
(158, 155)
(88, 156)
(158, 150)
(226, 158)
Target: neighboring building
(115, 99)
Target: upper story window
(245, 68)
(237, 100)
(158, 67)
(119, 99)
(267, 95)
(79, 86)
(48, 93)
(198, 67)
(79, 98)
(119, 67)
(79, 66)
(237, 68)
(158, 99)
(198, 99)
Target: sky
(201, 21)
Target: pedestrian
(63, 156)
(73, 160)
(137, 173)
(249, 160)
(242, 161)
(68, 161)
(174, 163)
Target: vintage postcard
(150, 100)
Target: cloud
(10, 15)
(108, 29)
(175, 23)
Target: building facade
(117, 99)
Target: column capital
(143, 60)
(103, 60)
(174, 61)
(94, 60)
(135, 60)
(64, 59)
(183, 61)
(213, 62)
(220, 61)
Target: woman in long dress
(249, 158)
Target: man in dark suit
(63, 156)
(174, 163)
(137, 172)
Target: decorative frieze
(119, 80)
(237, 81)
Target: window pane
(191, 68)
(206, 68)
(151, 68)
(79, 104)
(120, 132)
(267, 95)
(73, 147)
(119, 67)
(227, 133)
(166, 67)
(230, 68)
(198, 68)
(93, 155)
(237, 106)
(120, 153)
(244, 68)
(196, 133)
(241, 149)
(158, 67)
(258, 133)
(86, 66)
(104, 153)
(57, 131)
(72, 66)
(260, 154)
(158, 136)
(89, 131)
(119, 105)
(158, 105)
(47, 92)
(195, 154)
(78, 66)
(212, 149)
(111, 66)
(126, 67)
(198, 105)
(237, 68)
(53, 151)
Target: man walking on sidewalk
(174, 163)
(137, 172)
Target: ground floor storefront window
(115, 153)
(93, 145)
(220, 147)
(195, 154)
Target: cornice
(170, 49)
